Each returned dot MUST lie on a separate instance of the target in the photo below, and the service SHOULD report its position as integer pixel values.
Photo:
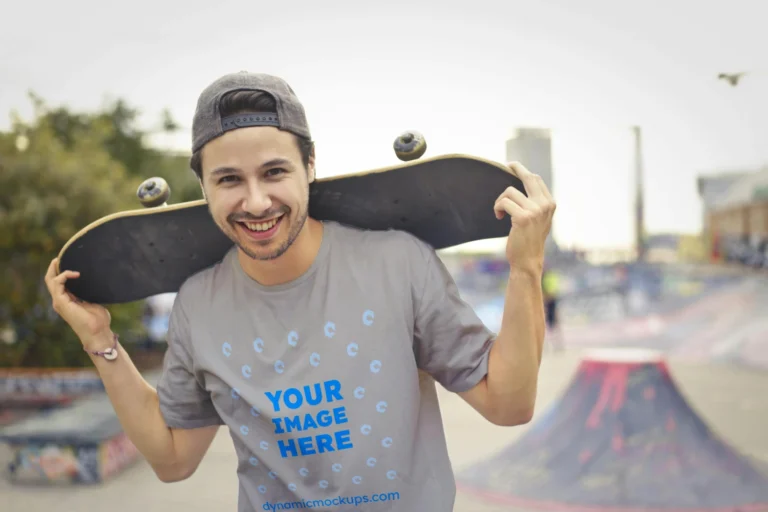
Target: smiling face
(257, 189)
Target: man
(550, 287)
(317, 343)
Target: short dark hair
(250, 101)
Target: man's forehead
(250, 148)
(252, 139)
(252, 134)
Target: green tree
(58, 173)
(121, 137)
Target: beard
(294, 229)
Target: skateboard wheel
(410, 146)
(153, 192)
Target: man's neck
(292, 264)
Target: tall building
(532, 147)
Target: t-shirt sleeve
(184, 402)
(451, 342)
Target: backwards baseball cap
(208, 124)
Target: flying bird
(731, 78)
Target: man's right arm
(174, 454)
(148, 416)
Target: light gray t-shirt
(326, 382)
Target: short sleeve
(184, 402)
(451, 342)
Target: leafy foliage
(58, 173)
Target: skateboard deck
(444, 200)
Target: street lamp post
(639, 196)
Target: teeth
(262, 226)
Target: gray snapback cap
(208, 124)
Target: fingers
(55, 284)
(51, 273)
(517, 197)
(537, 206)
(50, 277)
(531, 184)
(58, 281)
(537, 190)
(506, 205)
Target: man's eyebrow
(232, 170)
(223, 170)
(276, 161)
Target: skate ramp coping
(623, 355)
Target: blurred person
(550, 285)
(156, 315)
(318, 344)
(147, 317)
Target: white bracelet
(110, 354)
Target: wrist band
(110, 354)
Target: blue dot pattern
(365, 325)
(352, 350)
(330, 330)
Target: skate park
(649, 400)
(646, 420)
(648, 130)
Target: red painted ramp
(622, 438)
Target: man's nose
(256, 201)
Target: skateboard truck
(410, 145)
(153, 192)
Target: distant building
(532, 147)
(735, 209)
(662, 248)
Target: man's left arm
(507, 394)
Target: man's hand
(531, 219)
(91, 322)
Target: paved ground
(728, 397)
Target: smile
(261, 230)
(262, 226)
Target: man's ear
(311, 166)
(200, 181)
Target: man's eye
(275, 171)
(229, 179)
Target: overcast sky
(464, 73)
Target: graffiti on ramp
(621, 437)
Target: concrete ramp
(621, 438)
(80, 444)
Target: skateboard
(445, 201)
